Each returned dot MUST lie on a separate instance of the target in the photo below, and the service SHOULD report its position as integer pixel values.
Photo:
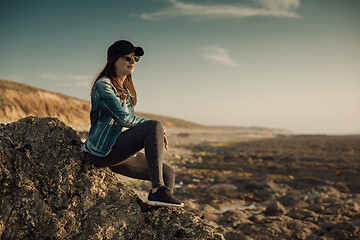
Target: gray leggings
(148, 166)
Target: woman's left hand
(165, 140)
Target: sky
(290, 64)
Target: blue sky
(290, 64)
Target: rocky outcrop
(48, 190)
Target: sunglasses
(129, 57)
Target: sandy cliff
(19, 100)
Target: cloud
(53, 76)
(78, 77)
(288, 5)
(67, 80)
(83, 83)
(273, 8)
(50, 76)
(219, 55)
(80, 80)
(63, 84)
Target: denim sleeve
(108, 101)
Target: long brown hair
(110, 71)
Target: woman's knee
(155, 124)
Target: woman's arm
(108, 101)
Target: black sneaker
(163, 197)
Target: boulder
(48, 190)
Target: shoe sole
(155, 203)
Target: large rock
(48, 190)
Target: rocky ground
(259, 186)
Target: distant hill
(169, 121)
(18, 100)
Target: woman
(113, 98)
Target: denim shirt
(108, 115)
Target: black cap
(123, 47)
